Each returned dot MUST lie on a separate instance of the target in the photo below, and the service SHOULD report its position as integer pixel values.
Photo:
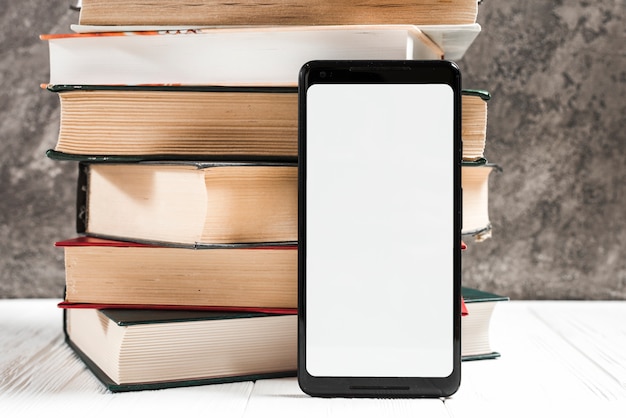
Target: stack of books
(476, 169)
(475, 172)
(182, 120)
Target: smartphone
(379, 228)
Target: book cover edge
(128, 387)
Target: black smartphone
(379, 228)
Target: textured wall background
(557, 73)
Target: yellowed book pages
(280, 12)
(204, 122)
(177, 122)
(475, 181)
(474, 125)
(133, 274)
(193, 204)
(162, 351)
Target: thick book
(203, 121)
(172, 348)
(189, 203)
(101, 272)
(282, 12)
(475, 182)
(238, 56)
(123, 198)
(152, 349)
(474, 123)
(475, 326)
(236, 123)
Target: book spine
(81, 198)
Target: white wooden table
(558, 359)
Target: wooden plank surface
(41, 375)
(557, 358)
(282, 398)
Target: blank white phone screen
(379, 230)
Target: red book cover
(282, 311)
(163, 265)
(95, 241)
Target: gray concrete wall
(557, 73)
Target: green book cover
(473, 295)
(158, 324)
(480, 322)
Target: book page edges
(453, 40)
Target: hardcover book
(221, 204)
(282, 12)
(244, 123)
(475, 181)
(102, 272)
(153, 349)
(198, 347)
(179, 121)
(267, 56)
(474, 123)
(190, 204)
(475, 326)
